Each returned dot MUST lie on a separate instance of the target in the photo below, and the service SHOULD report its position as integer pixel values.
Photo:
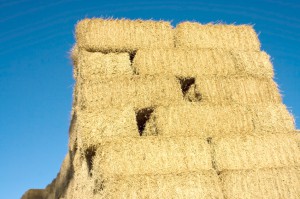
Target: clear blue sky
(36, 74)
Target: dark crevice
(131, 58)
(132, 55)
(213, 155)
(142, 116)
(107, 51)
(89, 156)
(186, 83)
(209, 140)
(189, 89)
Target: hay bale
(83, 183)
(136, 91)
(35, 194)
(123, 35)
(216, 121)
(254, 63)
(199, 62)
(241, 90)
(92, 127)
(97, 64)
(275, 183)
(151, 155)
(198, 185)
(230, 37)
(256, 151)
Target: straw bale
(123, 35)
(136, 91)
(245, 90)
(92, 127)
(210, 121)
(256, 151)
(200, 185)
(230, 37)
(275, 183)
(198, 62)
(83, 185)
(35, 194)
(254, 63)
(97, 64)
(151, 155)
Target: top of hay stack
(128, 35)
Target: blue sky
(36, 74)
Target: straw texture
(83, 184)
(221, 36)
(92, 127)
(150, 91)
(151, 155)
(200, 185)
(96, 64)
(275, 183)
(198, 62)
(226, 91)
(257, 151)
(123, 35)
(217, 121)
(136, 91)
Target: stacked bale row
(189, 112)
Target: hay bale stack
(190, 112)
